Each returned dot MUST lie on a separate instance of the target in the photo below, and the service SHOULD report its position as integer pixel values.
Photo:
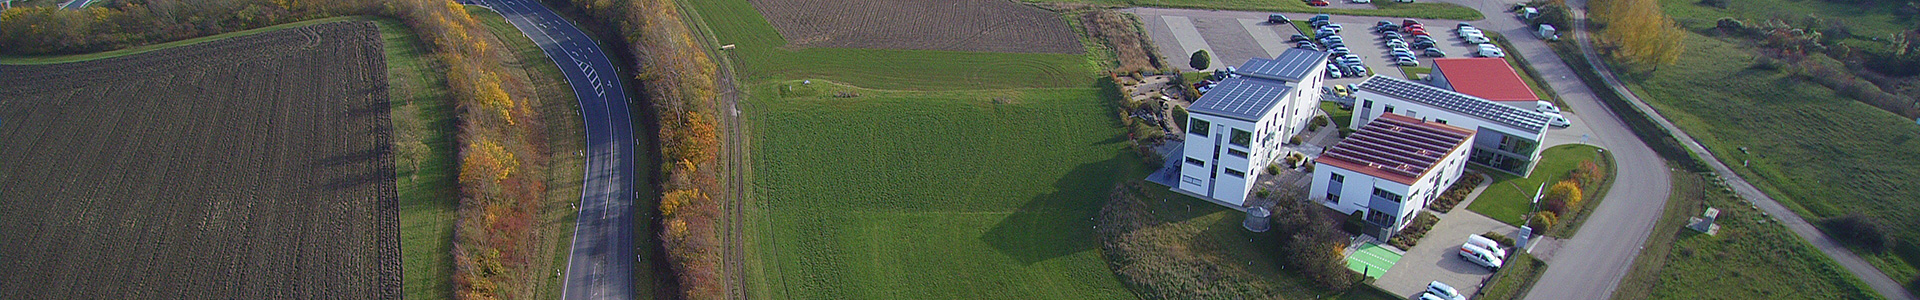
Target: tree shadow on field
(1059, 223)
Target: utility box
(1547, 32)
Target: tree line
(502, 148)
(1638, 31)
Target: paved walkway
(1860, 268)
(1435, 258)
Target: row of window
(1200, 127)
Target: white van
(1479, 256)
(1444, 291)
(1488, 244)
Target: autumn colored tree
(1638, 31)
(1566, 191)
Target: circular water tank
(1257, 219)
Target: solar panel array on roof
(1445, 99)
(1242, 98)
(1396, 146)
(1293, 65)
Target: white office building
(1238, 127)
(1389, 170)
(1505, 137)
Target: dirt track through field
(953, 25)
(253, 167)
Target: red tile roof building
(1485, 77)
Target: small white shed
(1547, 32)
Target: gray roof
(1457, 102)
(1293, 65)
(1244, 98)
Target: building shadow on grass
(1059, 223)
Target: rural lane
(1880, 282)
(1591, 263)
(602, 260)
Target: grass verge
(54, 59)
(1514, 278)
(1509, 197)
(422, 115)
(1339, 116)
(1751, 257)
(559, 110)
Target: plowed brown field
(253, 167)
(955, 25)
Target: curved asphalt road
(76, 4)
(602, 261)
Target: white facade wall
(1355, 190)
(1369, 105)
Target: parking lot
(1232, 37)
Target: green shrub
(1859, 230)
(1180, 115)
(1263, 193)
(1543, 221)
(1200, 60)
(1319, 121)
(1273, 169)
(1295, 140)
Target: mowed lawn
(1510, 197)
(933, 195)
(422, 110)
(1817, 152)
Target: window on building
(1389, 109)
(1236, 173)
(1196, 162)
(1377, 192)
(1366, 104)
(1240, 137)
(1333, 197)
(1442, 121)
(1237, 152)
(1198, 126)
(1379, 217)
(1338, 178)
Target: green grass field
(1508, 198)
(1748, 259)
(1424, 10)
(950, 175)
(422, 110)
(1338, 116)
(933, 195)
(1817, 152)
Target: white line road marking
(1264, 35)
(1188, 36)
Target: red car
(1408, 22)
(1317, 3)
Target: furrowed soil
(952, 25)
(253, 167)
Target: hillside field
(1819, 153)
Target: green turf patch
(1372, 260)
(1510, 197)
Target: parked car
(1444, 291)
(1324, 32)
(1487, 50)
(1349, 59)
(1419, 32)
(1463, 25)
(1406, 61)
(1320, 17)
(1361, 1)
(1431, 296)
(1387, 28)
(1320, 22)
(1299, 37)
(1317, 3)
(1544, 106)
(1382, 23)
(1434, 52)
(1479, 256)
(1391, 35)
(1278, 19)
(1333, 71)
(1403, 1)
(1423, 38)
(1335, 26)
(1357, 70)
(1557, 120)
(1308, 46)
(1304, 44)
(1409, 22)
(1486, 243)
(1465, 30)
(1339, 51)
(1476, 39)
(1332, 38)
